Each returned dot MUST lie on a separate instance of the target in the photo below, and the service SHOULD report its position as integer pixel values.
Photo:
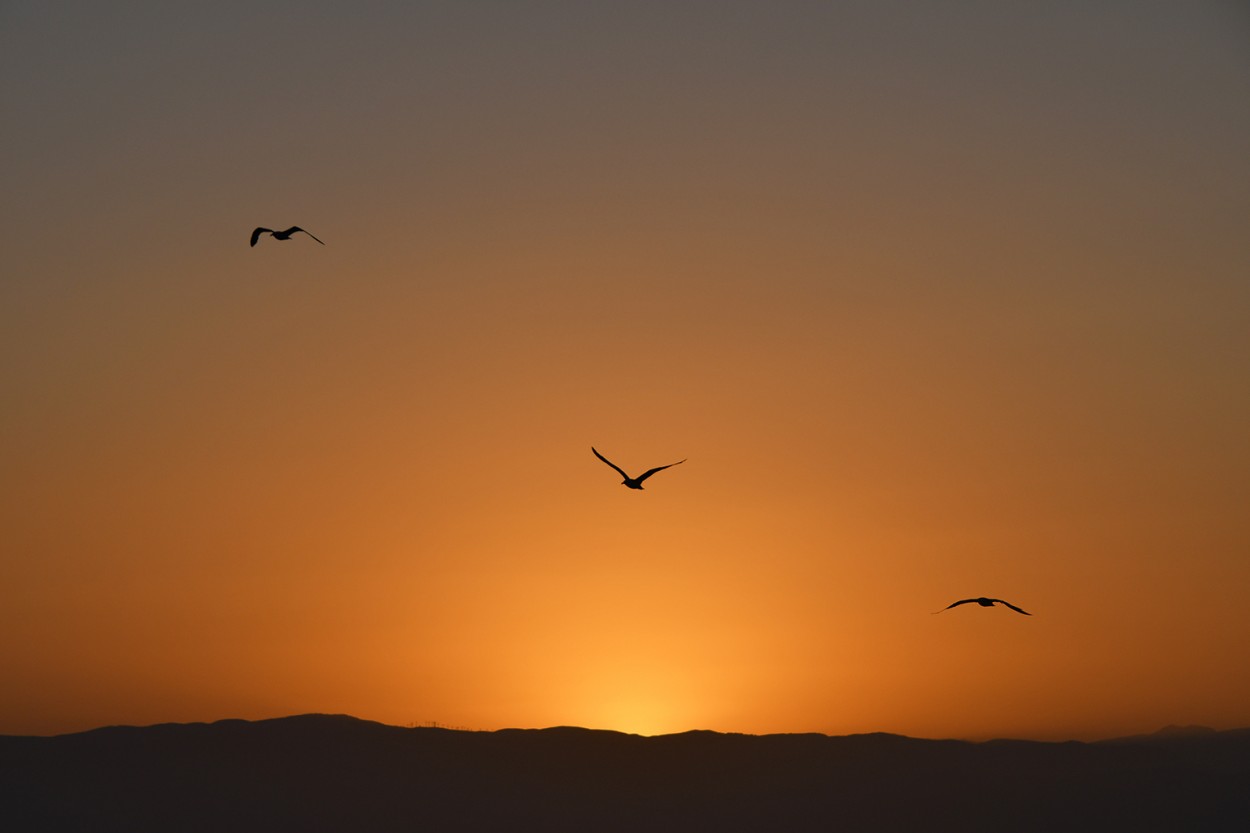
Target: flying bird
(280, 235)
(634, 482)
(984, 602)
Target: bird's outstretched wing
(610, 463)
(1013, 607)
(955, 604)
(294, 229)
(257, 233)
(650, 472)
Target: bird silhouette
(280, 235)
(984, 602)
(634, 482)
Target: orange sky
(937, 303)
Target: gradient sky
(939, 300)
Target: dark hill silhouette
(332, 773)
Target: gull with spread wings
(280, 235)
(984, 602)
(634, 482)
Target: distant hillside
(337, 773)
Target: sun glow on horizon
(636, 714)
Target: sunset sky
(939, 300)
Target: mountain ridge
(1170, 731)
(337, 772)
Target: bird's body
(634, 482)
(279, 235)
(984, 602)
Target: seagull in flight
(280, 235)
(634, 482)
(984, 602)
